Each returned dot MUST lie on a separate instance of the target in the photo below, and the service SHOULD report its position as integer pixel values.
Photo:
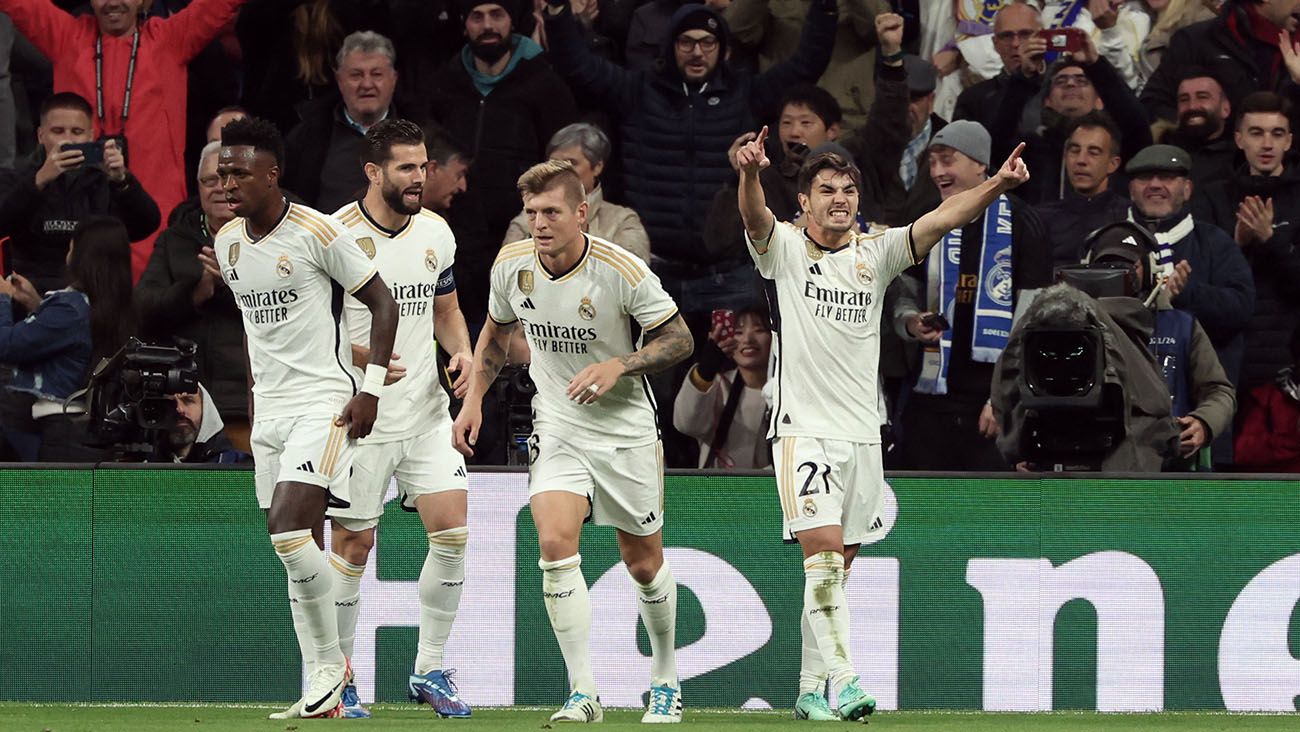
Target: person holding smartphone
(71, 178)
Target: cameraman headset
(1203, 398)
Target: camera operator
(196, 435)
(1178, 350)
(68, 331)
(70, 179)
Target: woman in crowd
(726, 410)
(588, 149)
(54, 349)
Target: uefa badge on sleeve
(586, 310)
(283, 267)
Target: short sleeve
(892, 250)
(499, 307)
(346, 262)
(648, 303)
(769, 254)
(446, 275)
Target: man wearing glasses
(677, 122)
(1078, 83)
(1013, 25)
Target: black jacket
(1241, 63)
(902, 205)
(165, 308)
(1214, 160)
(980, 101)
(505, 133)
(1274, 263)
(1220, 291)
(1045, 146)
(307, 152)
(1071, 219)
(40, 222)
(675, 136)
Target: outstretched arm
(664, 346)
(962, 208)
(752, 158)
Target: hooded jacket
(155, 127)
(163, 300)
(1275, 264)
(675, 135)
(1150, 433)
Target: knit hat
(966, 137)
(699, 17)
(465, 7)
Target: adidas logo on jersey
(785, 419)
(460, 472)
(878, 523)
(815, 269)
(528, 304)
(307, 467)
(648, 519)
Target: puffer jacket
(675, 135)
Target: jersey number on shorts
(808, 488)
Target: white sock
(347, 599)
(564, 591)
(812, 668)
(304, 640)
(441, 582)
(828, 613)
(658, 606)
(311, 584)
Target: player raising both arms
(594, 448)
(414, 250)
(827, 285)
(287, 266)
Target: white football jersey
(290, 286)
(826, 329)
(415, 262)
(578, 318)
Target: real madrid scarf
(993, 296)
(1164, 256)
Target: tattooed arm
(664, 346)
(489, 358)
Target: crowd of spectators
(1173, 117)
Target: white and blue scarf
(993, 296)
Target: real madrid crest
(233, 255)
(864, 274)
(809, 507)
(430, 260)
(815, 252)
(586, 310)
(525, 281)
(283, 267)
(367, 245)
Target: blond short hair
(552, 174)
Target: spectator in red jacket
(1268, 439)
(133, 71)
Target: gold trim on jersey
(659, 323)
(432, 215)
(587, 246)
(364, 281)
(785, 488)
(228, 225)
(511, 251)
(333, 447)
(317, 226)
(378, 228)
(248, 237)
(620, 261)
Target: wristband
(374, 381)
